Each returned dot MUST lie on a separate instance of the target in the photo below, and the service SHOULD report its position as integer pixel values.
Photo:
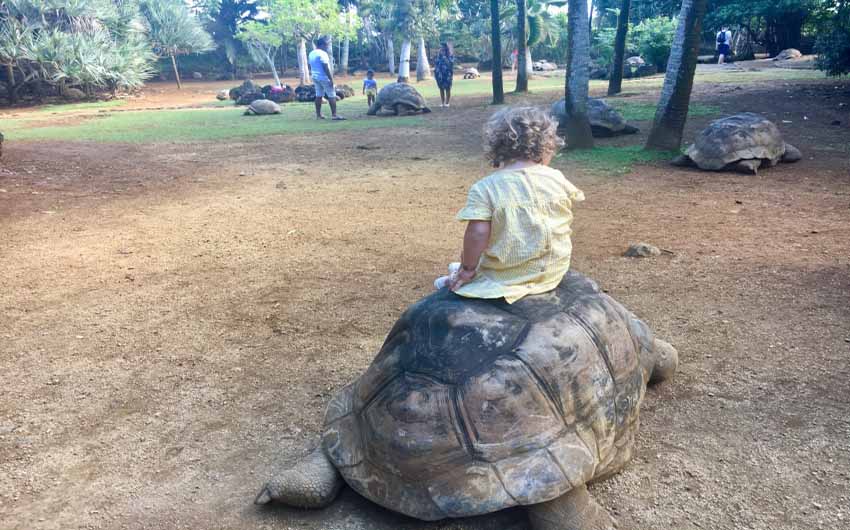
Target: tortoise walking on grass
(605, 121)
(744, 142)
(400, 98)
(472, 406)
(261, 107)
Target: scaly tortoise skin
(605, 121)
(472, 406)
(743, 142)
(400, 98)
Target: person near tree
(370, 87)
(724, 41)
(517, 239)
(323, 79)
(443, 73)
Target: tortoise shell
(399, 94)
(263, 106)
(744, 136)
(604, 119)
(472, 406)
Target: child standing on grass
(517, 239)
(370, 87)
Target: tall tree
(496, 37)
(615, 83)
(223, 18)
(522, 47)
(423, 68)
(174, 30)
(672, 111)
(578, 132)
(263, 41)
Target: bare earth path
(174, 318)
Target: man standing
(724, 39)
(323, 80)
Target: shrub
(833, 49)
(652, 39)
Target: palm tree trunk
(615, 83)
(423, 68)
(13, 89)
(343, 61)
(496, 37)
(578, 132)
(391, 55)
(522, 47)
(270, 59)
(672, 111)
(404, 61)
(176, 73)
(303, 70)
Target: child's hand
(462, 278)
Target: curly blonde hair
(520, 133)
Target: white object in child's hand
(445, 281)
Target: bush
(833, 49)
(652, 39)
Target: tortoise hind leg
(575, 510)
(312, 483)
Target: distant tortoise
(605, 121)
(261, 107)
(743, 142)
(471, 73)
(400, 98)
(473, 405)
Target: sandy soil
(174, 318)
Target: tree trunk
(672, 111)
(423, 68)
(343, 62)
(303, 69)
(176, 73)
(591, 3)
(12, 88)
(578, 132)
(270, 59)
(404, 61)
(522, 47)
(391, 55)
(615, 83)
(496, 37)
(529, 63)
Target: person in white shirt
(724, 41)
(323, 80)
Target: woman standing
(443, 71)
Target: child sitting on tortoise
(517, 239)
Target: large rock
(74, 94)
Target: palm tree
(496, 36)
(174, 30)
(578, 132)
(672, 111)
(615, 83)
(522, 44)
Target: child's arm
(475, 242)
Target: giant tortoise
(472, 406)
(260, 107)
(605, 121)
(743, 142)
(400, 98)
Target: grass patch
(205, 124)
(645, 111)
(74, 107)
(612, 160)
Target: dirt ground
(175, 317)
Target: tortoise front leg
(575, 510)
(312, 483)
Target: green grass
(200, 124)
(612, 160)
(74, 107)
